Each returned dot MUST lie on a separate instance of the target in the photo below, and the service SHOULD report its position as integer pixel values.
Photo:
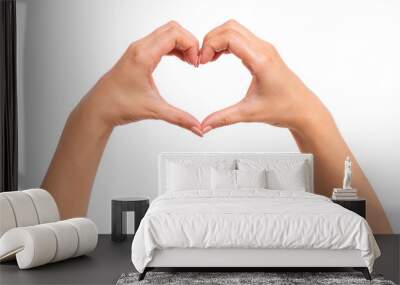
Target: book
(344, 198)
(340, 190)
(345, 194)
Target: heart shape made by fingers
(203, 90)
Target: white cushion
(7, 218)
(281, 174)
(67, 239)
(33, 246)
(46, 207)
(251, 178)
(291, 179)
(23, 208)
(87, 233)
(188, 177)
(40, 244)
(223, 179)
(227, 179)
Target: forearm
(323, 139)
(74, 165)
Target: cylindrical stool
(119, 207)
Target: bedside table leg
(118, 223)
(139, 214)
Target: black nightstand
(358, 206)
(119, 207)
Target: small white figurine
(347, 174)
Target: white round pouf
(87, 234)
(33, 246)
(23, 208)
(45, 205)
(7, 218)
(31, 232)
(67, 239)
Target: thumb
(180, 118)
(228, 116)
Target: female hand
(127, 93)
(276, 95)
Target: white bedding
(251, 218)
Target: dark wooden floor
(110, 260)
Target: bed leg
(364, 271)
(142, 275)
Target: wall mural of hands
(127, 93)
(276, 96)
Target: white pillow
(251, 178)
(290, 179)
(188, 177)
(223, 179)
(282, 174)
(237, 179)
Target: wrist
(98, 105)
(317, 129)
(91, 115)
(312, 115)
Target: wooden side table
(358, 206)
(119, 207)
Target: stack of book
(344, 194)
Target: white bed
(196, 224)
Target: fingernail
(197, 131)
(207, 129)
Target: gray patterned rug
(231, 278)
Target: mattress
(251, 219)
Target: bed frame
(249, 259)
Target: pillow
(282, 174)
(184, 177)
(289, 179)
(236, 179)
(223, 179)
(251, 178)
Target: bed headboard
(165, 157)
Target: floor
(110, 259)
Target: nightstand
(358, 206)
(119, 207)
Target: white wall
(346, 51)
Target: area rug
(269, 278)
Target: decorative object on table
(243, 278)
(357, 206)
(347, 173)
(120, 206)
(347, 192)
(31, 231)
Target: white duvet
(250, 218)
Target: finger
(173, 38)
(229, 25)
(178, 54)
(228, 116)
(218, 54)
(179, 118)
(228, 41)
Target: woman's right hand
(276, 95)
(127, 93)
